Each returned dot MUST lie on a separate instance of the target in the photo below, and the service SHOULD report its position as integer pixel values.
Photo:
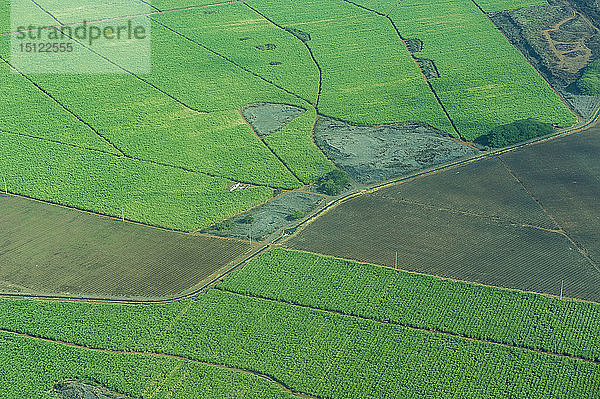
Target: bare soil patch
(560, 41)
(271, 217)
(81, 390)
(45, 249)
(564, 175)
(373, 154)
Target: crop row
(142, 191)
(251, 41)
(30, 368)
(325, 354)
(369, 76)
(145, 122)
(484, 81)
(509, 317)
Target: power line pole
(123, 214)
(5, 189)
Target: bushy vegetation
(589, 82)
(510, 317)
(515, 132)
(333, 183)
(296, 215)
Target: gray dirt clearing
(82, 390)
(270, 217)
(268, 118)
(374, 154)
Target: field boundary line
(121, 67)
(427, 81)
(487, 15)
(264, 143)
(310, 52)
(64, 107)
(188, 294)
(441, 168)
(411, 327)
(497, 219)
(164, 355)
(149, 4)
(579, 248)
(445, 278)
(224, 57)
(48, 140)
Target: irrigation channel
(275, 242)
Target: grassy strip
(145, 192)
(510, 317)
(311, 351)
(29, 368)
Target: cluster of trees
(515, 132)
(333, 183)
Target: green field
(158, 133)
(23, 376)
(482, 85)
(338, 340)
(486, 313)
(209, 61)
